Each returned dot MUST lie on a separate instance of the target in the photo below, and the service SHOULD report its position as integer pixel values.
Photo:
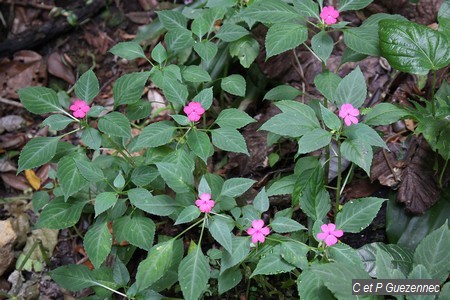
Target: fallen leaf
(33, 179)
(17, 182)
(11, 123)
(58, 68)
(6, 166)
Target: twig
(11, 102)
(25, 3)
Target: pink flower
(79, 108)
(258, 231)
(205, 204)
(329, 15)
(329, 234)
(349, 113)
(194, 111)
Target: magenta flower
(194, 111)
(258, 231)
(329, 15)
(349, 113)
(79, 108)
(329, 234)
(205, 204)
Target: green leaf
(188, 214)
(129, 88)
(327, 83)
(337, 277)
(345, 254)
(363, 132)
(220, 232)
(37, 152)
(358, 152)
(282, 186)
(350, 55)
(205, 97)
(413, 48)
(246, 49)
(155, 135)
(229, 139)
(240, 251)
(159, 53)
(272, 264)
(104, 201)
(200, 144)
(138, 231)
(282, 92)
(172, 19)
(195, 74)
(261, 201)
(128, 50)
(353, 4)
(193, 274)
(87, 87)
(89, 171)
(330, 119)
(352, 89)
(92, 138)
(73, 277)
(311, 287)
(307, 8)
(233, 118)
(161, 205)
(157, 263)
(284, 37)
(314, 140)
(115, 124)
(385, 268)
(357, 214)
(285, 225)
(322, 44)
(295, 254)
(39, 100)
(98, 242)
(235, 187)
(384, 114)
(175, 91)
(144, 175)
(179, 40)
(121, 275)
(269, 11)
(57, 122)
(59, 214)
(231, 32)
(234, 84)
(204, 24)
(363, 40)
(178, 178)
(229, 279)
(69, 176)
(432, 252)
(206, 50)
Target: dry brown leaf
(11, 123)
(42, 173)
(140, 17)
(58, 68)
(6, 165)
(17, 182)
(148, 4)
(33, 179)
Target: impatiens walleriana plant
(161, 177)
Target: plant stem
(433, 86)
(118, 149)
(339, 178)
(442, 174)
(189, 228)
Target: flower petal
(265, 230)
(205, 196)
(251, 231)
(321, 236)
(324, 228)
(338, 233)
(347, 120)
(331, 227)
(258, 224)
(187, 110)
(330, 240)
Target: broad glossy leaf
(205, 97)
(241, 247)
(200, 144)
(363, 132)
(413, 48)
(285, 225)
(322, 44)
(345, 254)
(92, 138)
(59, 214)
(432, 252)
(311, 287)
(155, 135)
(159, 53)
(172, 20)
(235, 187)
(104, 201)
(384, 114)
(39, 100)
(179, 40)
(98, 242)
(206, 50)
(115, 124)
(90, 171)
(359, 152)
(69, 176)
(314, 140)
(138, 231)
(295, 254)
(353, 4)
(330, 119)
(196, 74)
(57, 122)
(157, 263)
(160, 205)
(219, 231)
(229, 139)
(272, 263)
(178, 178)
(327, 83)
(282, 92)
(261, 201)
(246, 49)
(229, 279)
(307, 8)
(175, 91)
(270, 11)
(129, 88)
(73, 277)
(231, 32)
(284, 37)
(188, 214)
(357, 214)
(352, 89)
(233, 118)
(87, 86)
(234, 84)
(193, 274)
(37, 152)
(128, 50)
